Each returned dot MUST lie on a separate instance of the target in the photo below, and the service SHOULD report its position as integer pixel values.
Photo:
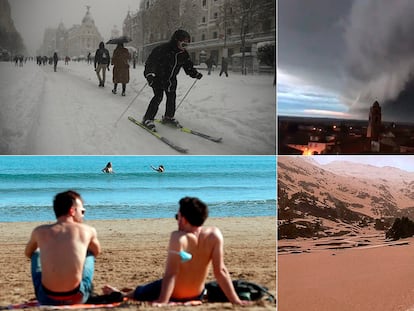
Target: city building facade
(75, 42)
(216, 31)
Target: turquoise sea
(232, 186)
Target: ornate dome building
(77, 41)
(84, 38)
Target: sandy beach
(362, 272)
(134, 252)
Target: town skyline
(32, 18)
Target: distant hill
(334, 199)
(10, 39)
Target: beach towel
(35, 303)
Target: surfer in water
(108, 168)
(159, 169)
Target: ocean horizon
(232, 186)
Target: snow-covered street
(65, 112)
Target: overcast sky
(336, 58)
(32, 17)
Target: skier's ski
(162, 138)
(191, 131)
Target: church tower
(374, 122)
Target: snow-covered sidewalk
(65, 112)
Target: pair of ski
(179, 127)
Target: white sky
(404, 162)
(32, 17)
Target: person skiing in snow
(102, 58)
(120, 60)
(161, 69)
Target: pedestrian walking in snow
(120, 60)
(224, 66)
(55, 61)
(161, 69)
(134, 60)
(102, 61)
(210, 63)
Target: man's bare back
(59, 251)
(192, 274)
(184, 277)
(63, 245)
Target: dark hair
(101, 45)
(194, 210)
(64, 201)
(180, 35)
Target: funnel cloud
(362, 51)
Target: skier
(120, 60)
(161, 69)
(103, 59)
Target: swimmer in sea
(108, 168)
(159, 169)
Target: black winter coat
(165, 62)
(102, 57)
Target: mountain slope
(353, 194)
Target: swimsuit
(151, 292)
(80, 294)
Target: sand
(134, 252)
(362, 272)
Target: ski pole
(140, 91)
(182, 99)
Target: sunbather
(63, 254)
(191, 249)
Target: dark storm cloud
(380, 54)
(362, 49)
(311, 38)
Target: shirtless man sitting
(63, 254)
(191, 249)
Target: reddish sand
(376, 276)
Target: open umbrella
(131, 49)
(123, 39)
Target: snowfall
(65, 113)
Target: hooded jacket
(102, 55)
(165, 62)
